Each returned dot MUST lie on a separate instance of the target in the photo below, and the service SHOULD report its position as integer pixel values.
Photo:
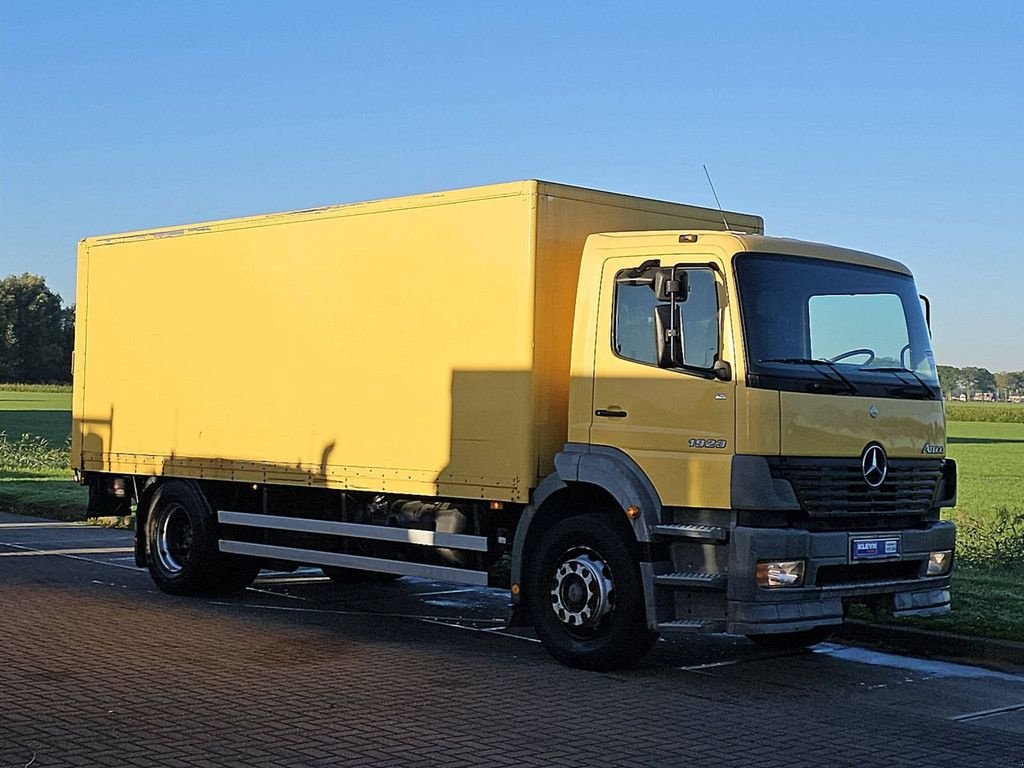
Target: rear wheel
(181, 546)
(793, 641)
(586, 596)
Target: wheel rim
(174, 539)
(582, 591)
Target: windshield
(813, 325)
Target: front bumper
(832, 578)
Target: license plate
(875, 549)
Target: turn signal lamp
(939, 562)
(632, 512)
(780, 573)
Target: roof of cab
(740, 242)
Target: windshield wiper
(840, 379)
(919, 382)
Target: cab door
(676, 418)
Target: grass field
(990, 412)
(34, 473)
(62, 388)
(990, 503)
(988, 586)
(990, 460)
(986, 603)
(43, 413)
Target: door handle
(610, 414)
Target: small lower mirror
(668, 339)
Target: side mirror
(722, 370)
(668, 335)
(671, 284)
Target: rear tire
(586, 596)
(182, 549)
(793, 641)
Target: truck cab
(768, 414)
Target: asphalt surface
(99, 668)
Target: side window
(635, 335)
(634, 323)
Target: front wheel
(586, 596)
(182, 549)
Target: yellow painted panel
(396, 341)
(837, 425)
(757, 421)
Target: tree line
(971, 380)
(37, 332)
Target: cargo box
(417, 345)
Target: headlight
(939, 562)
(780, 573)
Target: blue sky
(889, 127)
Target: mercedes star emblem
(874, 464)
(873, 410)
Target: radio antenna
(719, 202)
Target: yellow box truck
(639, 416)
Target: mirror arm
(649, 264)
(927, 311)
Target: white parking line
(711, 665)
(987, 713)
(446, 592)
(28, 552)
(108, 563)
(926, 667)
(278, 594)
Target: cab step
(687, 531)
(692, 625)
(691, 579)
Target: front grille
(836, 488)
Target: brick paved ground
(99, 669)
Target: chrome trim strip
(355, 530)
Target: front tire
(182, 551)
(586, 596)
